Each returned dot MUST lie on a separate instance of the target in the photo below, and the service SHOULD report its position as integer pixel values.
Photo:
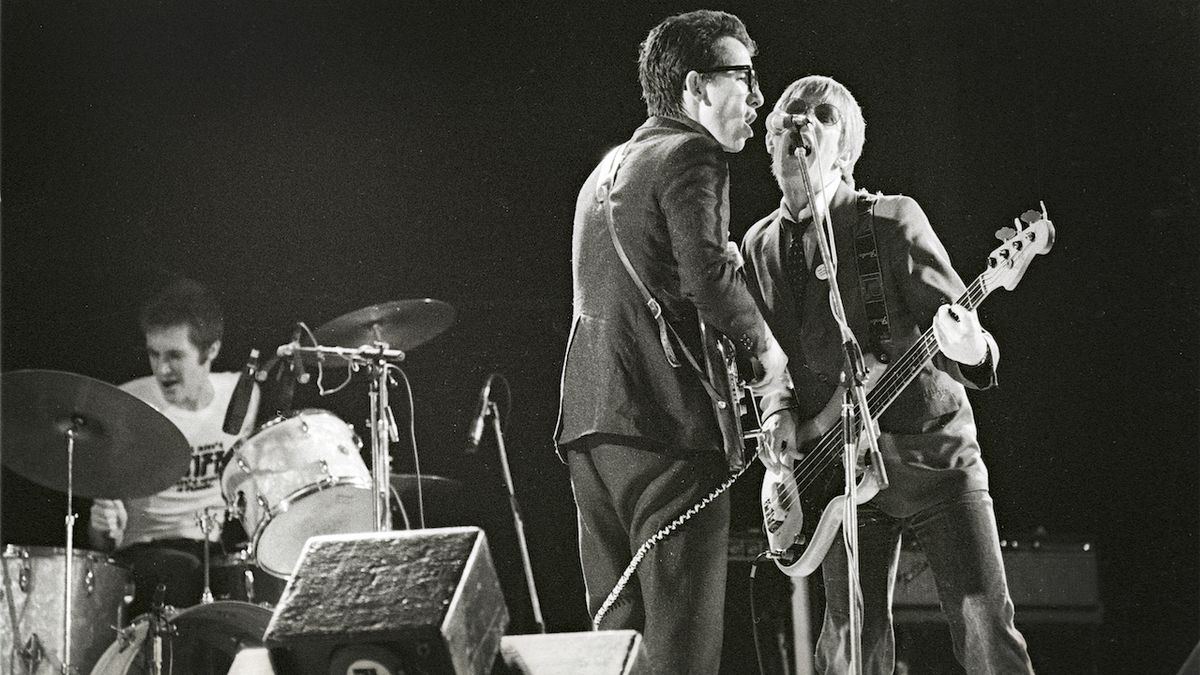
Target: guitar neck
(900, 374)
(905, 369)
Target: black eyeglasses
(751, 76)
(825, 113)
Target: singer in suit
(159, 537)
(639, 436)
(938, 494)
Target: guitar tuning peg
(1031, 216)
(1006, 233)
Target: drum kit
(301, 474)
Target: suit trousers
(961, 543)
(676, 598)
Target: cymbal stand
(378, 359)
(68, 571)
(383, 431)
(206, 519)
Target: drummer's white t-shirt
(172, 513)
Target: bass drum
(32, 611)
(200, 640)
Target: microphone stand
(492, 411)
(856, 395)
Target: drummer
(160, 537)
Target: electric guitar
(797, 545)
(737, 415)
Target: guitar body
(720, 365)
(799, 544)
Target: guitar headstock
(1031, 235)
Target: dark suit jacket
(670, 204)
(928, 441)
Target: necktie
(795, 264)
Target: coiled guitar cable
(659, 536)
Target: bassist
(938, 493)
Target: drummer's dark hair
(186, 303)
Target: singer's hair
(822, 88)
(680, 44)
(185, 303)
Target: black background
(308, 159)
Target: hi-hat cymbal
(123, 446)
(402, 324)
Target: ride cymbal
(401, 324)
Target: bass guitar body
(799, 542)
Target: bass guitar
(816, 481)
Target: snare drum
(297, 476)
(200, 639)
(32, 598)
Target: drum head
(340, 509)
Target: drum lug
(303, 426)
(89, 580)
(26, 571)
(325, 470)
(239, 505)
(242, 464)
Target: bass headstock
(1031, 235)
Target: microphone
(779, 122)
(239, 402)
(475, 433)
(298, 360)
(296, 365)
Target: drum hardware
(31, 653)
(45, 408)
(382, 333)
(204, 634)
(26, 570)
(207, 520)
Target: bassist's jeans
(962, 545)
(676, 598)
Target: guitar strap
(870, 282)
(603, 192)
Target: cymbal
(123, 446)
(402, 324)
(436, 486)
(443, 498)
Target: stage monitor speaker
(607, 652)
(415, 601)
